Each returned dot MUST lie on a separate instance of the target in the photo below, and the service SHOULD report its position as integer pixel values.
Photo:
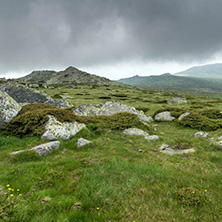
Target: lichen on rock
(164, 116)
(109, 108)
(9, 108)
(57, 130)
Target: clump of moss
(191, 196)
(118, 121)
(212, 113)
(198, 121)
(175, 112)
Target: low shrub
(57, 96)
(119, 95)
(144, 109)
(104, 97)
(191, 196)
(198, 121)
(212, 113)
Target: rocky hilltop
(71, 75)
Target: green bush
(191, 196)
(198, 121)
(119, 95)
(212, 113)
(104, 97)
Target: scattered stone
(165, 148)
(135, 131)
(176, 100)
(218, 143)
(164, 116)
(140, 150)
(77, 206)
(152, 137)
(82, 142)
(201, 134)
(211, 140)
(183, 115)
(109, 108)
(57, 130)
(46, 148)
(219, 137)
(47, 199)
(9, 108)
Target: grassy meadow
(118, 177)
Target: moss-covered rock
(9, 108)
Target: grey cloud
(53, 33)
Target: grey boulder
(135, 131)
(165, 148)
(56, 130)
(109, 108)
(183, 115)
(164, 116)
(201, 134)
(82, 142)
(9, 108)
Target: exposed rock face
(9, 108)
(135, 131)
(109, 108)
(57, 130)
(23, 94)
(182, 116)
(176, 100)
(165, 148)
(82, 142)
(42, 149)
(164, 116)
(46, 148)
(201, 134)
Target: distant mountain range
(207, 71)
(180, 84)
(71, 75)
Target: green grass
(111, 179)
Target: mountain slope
(69, 75)
(206, 71)
(168, 82)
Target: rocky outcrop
(42, 149)
(57, 130)
(165, 148)
(23, 94)
(176, 100)
(9, 108)
(82, 142)
(109, 108)
(164, 116)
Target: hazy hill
(168, 82)
(69, 75)
(206, 71)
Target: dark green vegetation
(207, 71)
(111, 180)
(31, 119)
(177, 84)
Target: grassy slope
(111, 174)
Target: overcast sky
(111, 38)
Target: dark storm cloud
(53, 33)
